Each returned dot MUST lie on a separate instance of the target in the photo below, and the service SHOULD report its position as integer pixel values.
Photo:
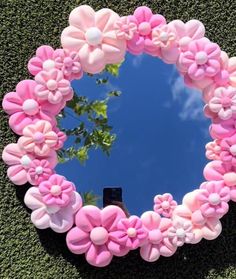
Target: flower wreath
(92, 40)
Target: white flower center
(39, 170)
(165, 204)
(201, 58)
(55, 190)
(30, 107)
(164, 36)
(99, 235)
(131, 232)
(93, 36)
(180, 233)
(25, 160)
(214, 199)
(51, 84)
(48, 65)
(233, 149)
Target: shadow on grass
(190, 261)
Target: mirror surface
(161, 135)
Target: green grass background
(26, 252)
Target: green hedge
(28, 253)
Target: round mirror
(160, 135)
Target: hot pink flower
(69, 63)
(130, 233)
(39, 170)
(213, 150)
(189, 211)
(217, 170)
(20, 161)
(164, 204)
(93, 36)
(56, 190)
(38, 138)
(25, 108)
(220, 129)
(145, 21)
(181, 232)
(43, 61)
(200, 60)
(53, 87)
(228, 150)
(125, 29)
(59, 219)
(158, 243)
(92, 234)
(223, 102)
(214, 199)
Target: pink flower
(38, 138)
(181, 232)
(164, 204)
(228, 150)
(56, 190)
(158, 243)
(43, 61)
(214, 199)
(220, 129)
(92, 234)
(25, 108)
(61, 138)
(223, 102)
(125, 29)
(213, 150)
(39, 170)
(69, 63)
(224, 78)
(93, 36)
(145, 21)
(130, 233)
(164, 38)
(20, 161)
(59, 219)
(217, 170)
(189, 211)
(53, 87)
(187, 32)
(200, 60)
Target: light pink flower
(19, 161)
(93, 36)
(125, 29)
(181, 232)
(158, 243)
(187, 32)
(224, 78)
(228, 150)
(43, 61)
(217, 170)
(56, 190)
(39, 170)
(145, 21)
(213, 150)
(61, 138)
(25, 108)
(59, 219)
(52, 86)
(69, 63)
(223, 102)
(130, 233)
(164, 204)
(214, 199)
(200, 60)
(92, 234)
(189, 211)
(38, 138)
